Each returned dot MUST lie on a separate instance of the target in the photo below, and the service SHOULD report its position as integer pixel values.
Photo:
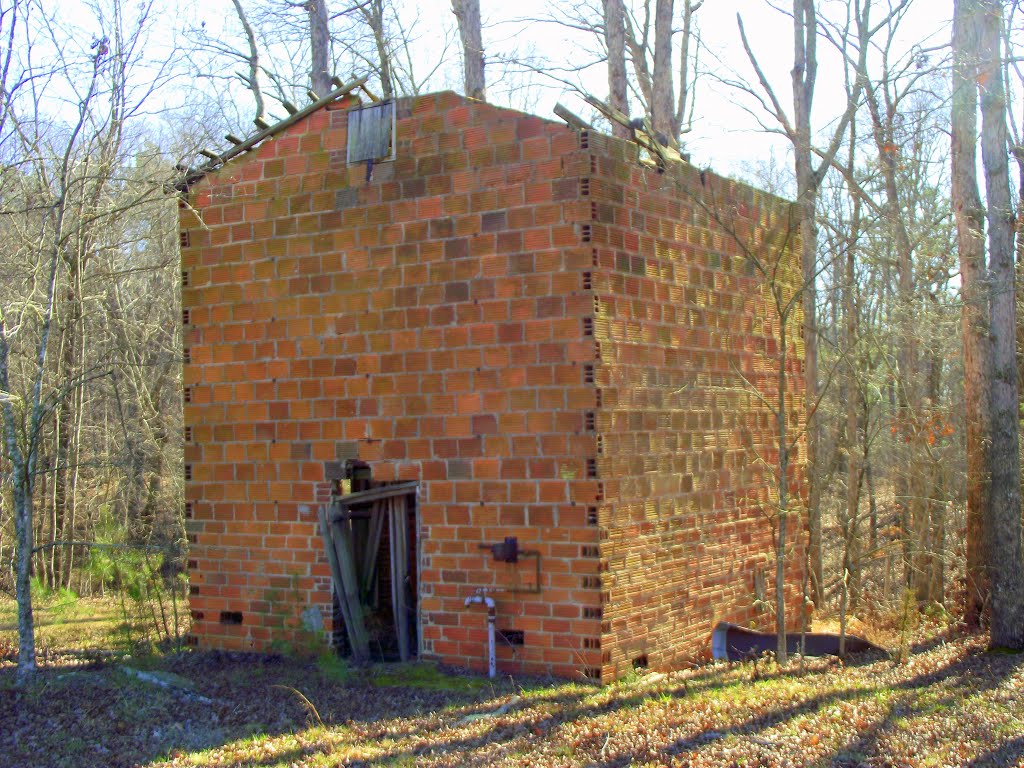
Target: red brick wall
(438, 322)
(685, 331)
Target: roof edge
(193, 175)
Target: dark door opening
(374, 569)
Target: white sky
(725, 137)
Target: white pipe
(492, 665)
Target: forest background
(908, 266)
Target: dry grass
(951, 704)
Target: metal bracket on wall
(508, 551)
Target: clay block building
(554, 340)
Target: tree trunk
(937, 498)
(21, 479)
(615, 41)
(851, 556)
(1006, 558)
(804, 74)
(684, 107)
(67, 414)
(468, 14)
(373, 13)
(663, 98)
(872, 501)
(781, 650)
(911, 490)
(970, 229)
(319, 47)
(23, 569)
(252, 80)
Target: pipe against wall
(492, 665)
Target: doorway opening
(370, 536)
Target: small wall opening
(512, 636)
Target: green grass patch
(66, 624)
(424, 676)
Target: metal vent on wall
(371, 130)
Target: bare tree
(71, 185)
(615, 42)
(637, 43)
(774, 261)
(852, 36)
(1004, 543)
(321, 71)
(251, 78)
(468, 14)
(655, 75)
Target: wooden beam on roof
(265, 133)
(643, 133)
(574, 120)
(608, 111)
(369, 94)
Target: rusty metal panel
(370, 131)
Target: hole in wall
(512, 636)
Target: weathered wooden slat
(369, 132)
(572, 118)
(369, 94)
(362, 497)
(358, 636)
(336, 578)
(377, 518)
(607, 110)
(644, 135)
(399, 572)
(265, 133)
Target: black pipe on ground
(730, 642)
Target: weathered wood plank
(369, 132)
(356, 626)
(400, 572)
(377, 518)
(362, 497)
(336, 578)
(572, 118)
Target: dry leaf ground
(951, 704)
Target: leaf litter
(951, 704)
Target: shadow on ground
(239, 704)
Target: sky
(725, 136)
